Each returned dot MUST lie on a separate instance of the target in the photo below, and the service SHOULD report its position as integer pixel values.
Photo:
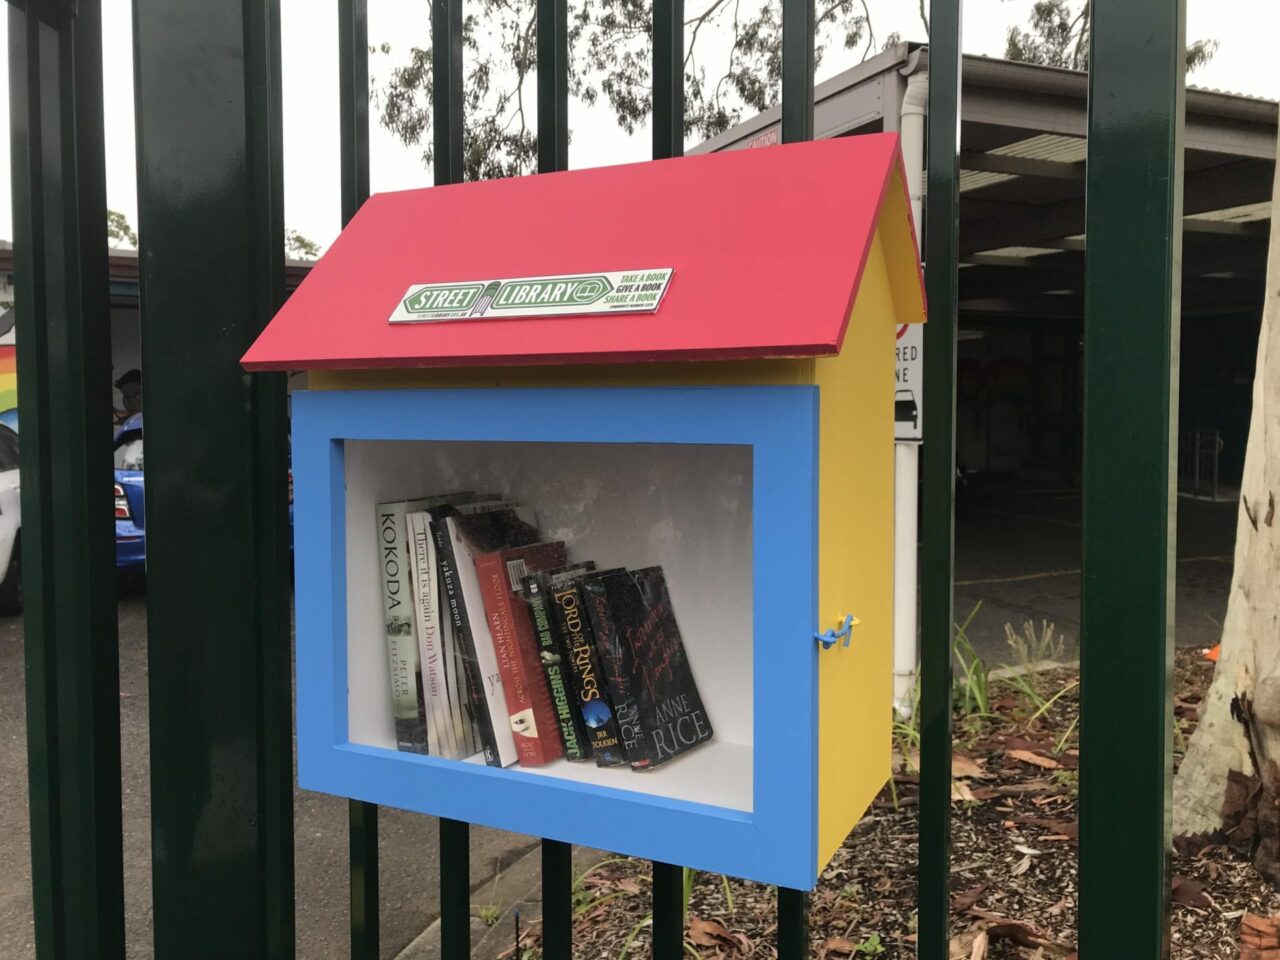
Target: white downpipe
(906, 456)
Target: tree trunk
(1248, 670)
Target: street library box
(683, 366)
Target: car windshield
(128, 455)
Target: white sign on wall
(908, 376)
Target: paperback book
(554, 656)
(459, 540)
(529, 705)
(591, 697)
(659, 712)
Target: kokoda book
(408, 709)
(590, 693)
(529, 706)
(555, 659)
(660, 714)
(459, 540)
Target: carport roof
(1022, 183)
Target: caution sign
(908, 377)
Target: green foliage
(298, 247)
(870, 947)
(1058, 36)
(610, 60)
(119, 230)
(1031, 645)
(489, 914)
(971, 686)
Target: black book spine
(452, 593)
(618, 667)
(591, 694)
(555, 664)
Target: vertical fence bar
(67, 548)
(553, 85)
(446, 78)
(1134, 217)
(212, 274)
(446, 67)
(557, 899)
(455, 890)
(668, 78)
(797, 70)
(553, 155)
(668, 911)
(668, 141)
(797, 125)
(937, 552)
(353, 116)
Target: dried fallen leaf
(1190, 893)
(960, 791)
(710, 933)
(1021, 867)
(963, 901)
(837, 946)
(1026, 756)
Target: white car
(10, 524)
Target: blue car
(131, 534)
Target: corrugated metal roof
(1046, 146)
(1249, 213)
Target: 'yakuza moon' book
(660, 714)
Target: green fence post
(668, 78)
(353, 118)
(797, 125)
(668, 911)
(210, 205)
(66, 558)
(941, 250)
(1133, 223)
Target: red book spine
(532, 715)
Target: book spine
(407, 708)
(426, 596)
(555, 665)
(618, 667)
(492, 574)
(452, 594)
(592, 698)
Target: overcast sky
(1246, 30)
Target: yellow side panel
(855, 561)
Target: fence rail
(211, 222)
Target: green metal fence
(211, 263)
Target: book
(459, 540)
(442, 733)
(659, 711)
(524, 685)
(590, 694)
(553, 656)
(408, 709)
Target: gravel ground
(1014, 831)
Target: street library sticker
(570, 295)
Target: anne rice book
(660, 714)
(459, 540)
(529, 707)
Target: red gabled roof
(767, 246)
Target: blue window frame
(775, 841)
